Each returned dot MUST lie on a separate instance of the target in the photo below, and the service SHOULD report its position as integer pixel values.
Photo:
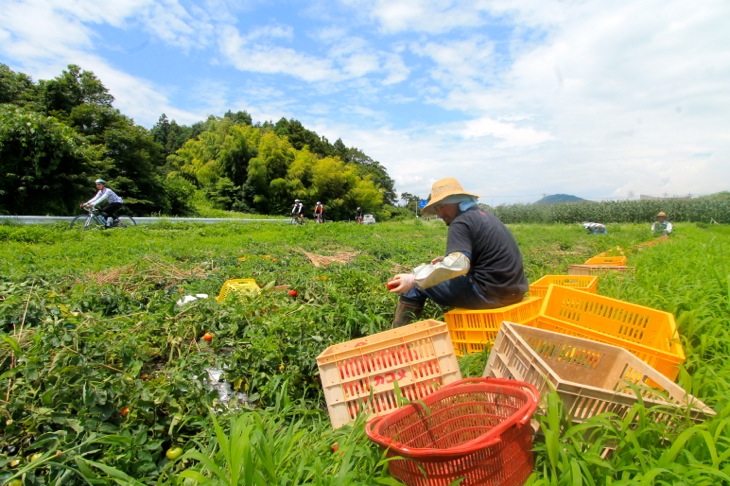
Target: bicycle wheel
(124, 221)
(82, 221)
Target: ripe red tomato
(335, 447)
(208, 336)
(293, 293)
(124, 411)
(392, 284)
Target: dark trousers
(111, 210)
(457, 292)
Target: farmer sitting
(481, 268)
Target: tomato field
(105, 370)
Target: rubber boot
(406, 313)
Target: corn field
(702, 210)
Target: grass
(101, 372)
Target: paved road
(140, 220)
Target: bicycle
(92, 218)
(297, 219)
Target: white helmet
(319, 202)
(296, 200)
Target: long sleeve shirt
(103, 195)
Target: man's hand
(402, 283)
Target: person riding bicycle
(103, 193)
(297, 210)
(319, 212)
(358, 215)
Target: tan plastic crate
(359, 376)
(589, 283)
(590, 377)
(595, 269)
(473, 331)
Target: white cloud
(431, 16)
(273, 59)
(510, 134)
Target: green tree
(170, 135)
(43, 164)
(238, 118)
(271, 164)
(299, 137)
(72, 88)
(16, 88)
(133, 162)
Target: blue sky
(516, 99)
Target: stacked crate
(365, 376)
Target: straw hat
(661, 214)
(442, 189)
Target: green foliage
(42, 163)
(102, 372)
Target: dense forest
(58, 135)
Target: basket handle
(528, 387)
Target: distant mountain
(560, 198)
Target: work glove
(402, 283)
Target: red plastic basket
(477, 429)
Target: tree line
(58, 135)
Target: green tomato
(35, 457)
(15, 482)
(173, 453)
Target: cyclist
(297, 211)
(358, 215)
(319, 212)
(105, 194)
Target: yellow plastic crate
(359, 376)
(590, 377)
(240, 286)
(649, 334)
(595, 269)
(589, 283)
(607, 260)
(473, 331)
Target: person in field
(661, 226)
(595, 228)
(480, 269)
(297, 209)
(319, 212)
(114, 202)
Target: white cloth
(441, 269)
